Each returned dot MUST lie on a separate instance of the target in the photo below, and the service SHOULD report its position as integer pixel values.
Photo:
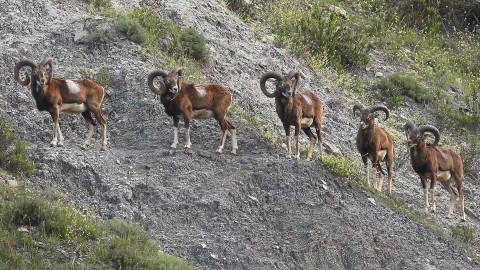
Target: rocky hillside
(253, 210)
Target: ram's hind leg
(224, 127)
(101, 120)
(91, 129)
(233, 132)
(313, 141)
(459, 181)
(318, 127)
(453, 198)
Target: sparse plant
(132, 28)
(13, 152)
(338, 165)
(99, 5)
(193, 45)
(101, 76)
(96, 36)
(162, 36)
(398, 85)
(463, 233)
(470, 152)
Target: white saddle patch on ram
(307, 99)
(73, 108)
(443, 176)
(202, 114)
(73, 87)
(306, 122)
(201, 90)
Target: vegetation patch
(399, 85)
(463, 233)
(13, 153)
(42, 232)
(101, 77)
(259, 125)
(99, 5)
(145, 27)
(342, 166)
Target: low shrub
(142, 26)
(13, 153)
(99, 5)
(132, 29)
(101, 77)
(339, 165)
(463, 233)
(399, 84)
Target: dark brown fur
(292, 106)
(51, 94)
(182, 99)
(372, 139)
(428, 160)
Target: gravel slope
(253, 210)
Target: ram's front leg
(55, 114)
(186, 117)
(175, 132)
(287, 135)
(297, 144)
(425, 194)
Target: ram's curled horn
(409, 126)
(178, 71)
(151, 76)
(16, 71)
(48, 61)
(428, 128)
(295, 74)
(263, 80)
(382, 108)
(358, 107)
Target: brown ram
(70, 96)
(294, 108)
(375, 144)
(193, 101)
(431, 162)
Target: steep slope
(253, 210)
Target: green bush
(319, 32)
(159, 35)
(13, 157)
(132, 29)
(399, 84)
(433, 15)
(338, 165)
(193, 45)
